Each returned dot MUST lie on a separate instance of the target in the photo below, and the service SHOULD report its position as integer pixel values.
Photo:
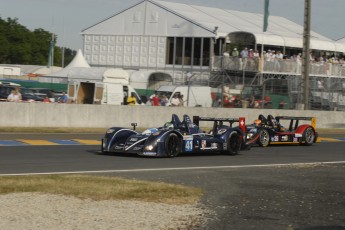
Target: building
(188, 43)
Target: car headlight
(250, 135)
(110, 130)
(149, 147)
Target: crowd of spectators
(276, 61)
(162, 99)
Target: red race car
(266, 131)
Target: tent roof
(78, 61)
(191, 20)
(340, 45)
(341, 40)
(280, 32)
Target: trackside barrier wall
(105, 116)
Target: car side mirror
(134, 125)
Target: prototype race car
(177, 137)
(270, 131)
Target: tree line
(19, 45)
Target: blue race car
(177, 137)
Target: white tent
(78, 61)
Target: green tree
(19, 45)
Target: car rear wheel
(309, 136)
(264, 139)
(172, 145)
(234, 144)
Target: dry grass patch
(101, 188)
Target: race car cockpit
(271, 121)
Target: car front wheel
(264, 139)
(172, 145)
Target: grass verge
(101, 188)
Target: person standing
(181, 100)
(155, 101)
(235, 52)
(244, 58)
(131, 100)
(175, 101)
(235, 57)
(164, 100)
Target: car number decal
(203, 144)
(188, 145)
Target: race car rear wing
(292, 119)
(219, 121)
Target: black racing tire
(308, 136)
(264, 138)
(234, 144)
(172, 145)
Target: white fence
(286, 66)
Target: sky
(67, 18)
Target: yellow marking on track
(88, 142)
(37, 142)
(328, 139)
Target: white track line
(169, 169)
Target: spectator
(235, 52)
(278, 61)
(131, 100)
(181, 100)
(244, 57)
(164, 100)
(154, 99)
(63, 98)
(46, 99)
(256, 54)
(15, 96)
(244, 53)
(175, 101)
(51, 96)
(251, 53)
(235, 55)
(268, 58)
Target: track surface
(264, 188)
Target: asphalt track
(278, 187)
